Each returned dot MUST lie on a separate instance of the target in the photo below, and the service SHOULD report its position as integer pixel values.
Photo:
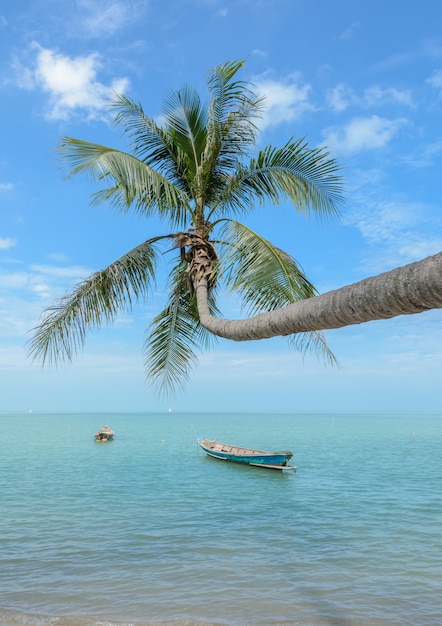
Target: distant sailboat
(171, 410)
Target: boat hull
(104, 435)
(246, 456)
(104, 438)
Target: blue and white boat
(247, 456)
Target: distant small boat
(247, 456)
(104, 434)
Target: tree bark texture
(406, 290)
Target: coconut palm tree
(407, 290)
(200, 173)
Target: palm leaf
(231, 130)
(267, 277)
(175, 336)
(185, 119)
(135, 183)
(177, 148)
(95, 300)
(150, 143)
(307, 177)
(233, 107)
(313, 341)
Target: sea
(148, 530)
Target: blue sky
(362, 78)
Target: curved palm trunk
(406, 290)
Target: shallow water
(148, 530)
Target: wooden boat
(247, 456)
(104, 435)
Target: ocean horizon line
(299, 412)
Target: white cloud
(285, 100)
(362, 133)
(342, 96)
(71, 83)
(6, 187)
(6, 243)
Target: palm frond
(231, 129)
(175, 149)
(185, 124)
(226, 93)
(267, 277)
(134, 182)
(187, 117)
(234, 105)
(175, 336)
(94, 300)
(315, 342)
(150, 143)
(307, 177)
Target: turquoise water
(148, 530)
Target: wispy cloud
(362, 133)
(350, 31)
(425, 155)
(435, 80)
(397, 230)
(397, 60)
(43, 281)
(6, 243)
(104, 18)
(382, 222)
(70, 82)
(16, 281)
(74, 272)
(25, 292)
(6, 187)
(375, 96)
(341, 97)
